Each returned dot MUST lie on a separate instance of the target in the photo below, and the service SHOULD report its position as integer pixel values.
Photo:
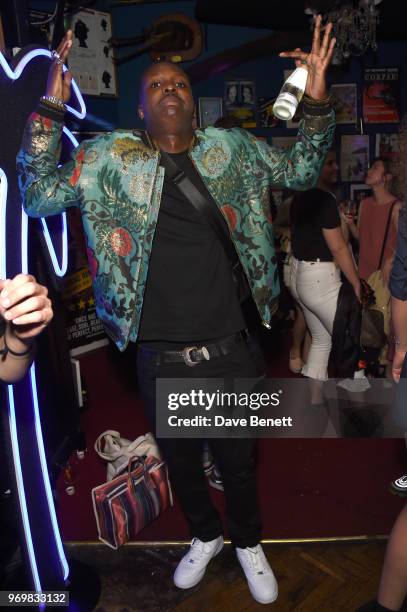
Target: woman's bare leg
(393, 582)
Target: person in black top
(317, 240)
(192, 317)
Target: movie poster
(344, 102)
(84, 329)
(354, 157)
(381, 95)
(387, 146)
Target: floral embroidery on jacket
(117, 182)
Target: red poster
(381, 95)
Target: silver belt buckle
(186, 354)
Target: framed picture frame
(387, 145)
(91, 58)
(381, 95)
(344, 97)
(232, 94)
(247, 93)
(209, 110)
(359, 192)
(354, 161)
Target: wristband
(7, 349)
(314, 102)
(54, 102)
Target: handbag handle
(145, 470)
(98, 444)
(386, 233)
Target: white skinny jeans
(315, 286)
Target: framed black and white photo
(91, 59)
(232, 93)
(210, 109)
(247, 93)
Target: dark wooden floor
(329, 577)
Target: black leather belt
(194, 354)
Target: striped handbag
(129, 502)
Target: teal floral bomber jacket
(116, 181)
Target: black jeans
(235, 457)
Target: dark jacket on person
(346, 332)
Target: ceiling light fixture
(354, 26)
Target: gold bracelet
(53, 102)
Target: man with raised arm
(161, 274)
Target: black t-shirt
(311, 212)
(190, 293)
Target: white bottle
(290, 95)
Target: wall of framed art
(91, 58)
(248, 90)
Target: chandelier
(354, 26)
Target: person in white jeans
(320, 252)
(315, 286)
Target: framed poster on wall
(359, 192)
(91, 58)
(210, 109)
(381, 95)
(354, 157)
(387, 145)
(240, 102)
(344, 102)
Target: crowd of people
(325, 241)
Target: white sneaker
(260, 577)
(192, 567)
(215, 479)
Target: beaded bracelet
(54, 102)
